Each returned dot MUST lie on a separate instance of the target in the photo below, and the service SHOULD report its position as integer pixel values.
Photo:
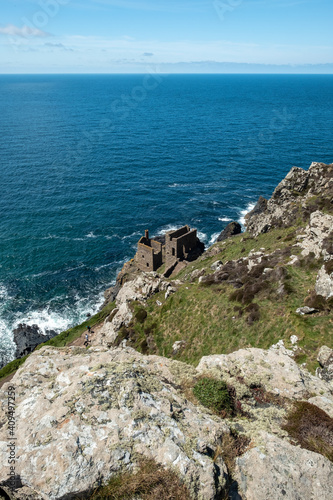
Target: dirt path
(6, 379)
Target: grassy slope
(206, 319)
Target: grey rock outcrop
(290, 198)
(278, 372)
(302, 311)
(85, 415)
(27, 337)
(276, 470)
(320, 228)
(232, 229)
(325, 359)
(139, 289)
(324, 283)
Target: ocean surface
(88, 162)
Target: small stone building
(149, 255)
(179, 245)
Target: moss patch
(214, 394)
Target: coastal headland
(212, 382)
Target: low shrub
(214, 394)
(141, 315)
(311, 427)
(253, 311)
(233, 446)
(150, 482)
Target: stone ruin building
(177, 246)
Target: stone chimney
(147, 234)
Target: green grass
(62, 339)
(210, 322)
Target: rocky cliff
(214, 384)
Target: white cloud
(25, 31)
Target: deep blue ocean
(87, 162)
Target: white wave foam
(91, 235)
(45, 319)
(136, 233)
(224, 219)
(213, 238)
(7, 346)
(176, 184)
(63, 238)
(246, 210)
(202, 236)
(167, 228)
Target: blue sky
(117, 36)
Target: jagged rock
(325, 358)
(140, 288)
(292, 196)
(232, 229)
(324, 283)
(273, 369)
(216, 266)
(197, 273)
(306, 310)
(259, 208)
(20, 492)
(319, 228)
(276, 470)
(111, 294)
(85, 415)
(178, 346)
(27, 337)
(212, 251)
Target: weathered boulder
(217, 265)
(302, 311)
(232, 229)
(320, 227)
(325, 358)
(139, 289)
(273, 369)
(86, 415)
(276, 470)
(292, 197)
(197, 273)
(27, 337)
(324, 283)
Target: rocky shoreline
(251, 424)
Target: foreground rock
(28, 337)
(85, 415)
(274, 370)
(275, 470)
